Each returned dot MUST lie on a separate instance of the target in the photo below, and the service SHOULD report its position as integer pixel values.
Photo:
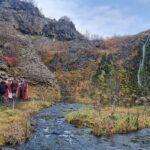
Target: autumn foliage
(10, 60)
(111, 42)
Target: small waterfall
(141, 67)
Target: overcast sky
(103, 17)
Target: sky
(105, 18)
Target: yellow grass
(15, 124)
(106, 121)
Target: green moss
(107, 73)
(101, 80)
(83, 117)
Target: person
(14, 87)
(19, 91)
(24, 90)
(3, 89)
(8, 93)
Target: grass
(105, 122)
(84, 100)
(83, 117)
(15, 125)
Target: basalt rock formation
(27, 18)
(21, 23)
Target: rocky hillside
(21, 23)
(86, 70)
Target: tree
(95, 37)
(87, 35)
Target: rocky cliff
(21, 23)
(27, 18)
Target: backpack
(3, 88)
(14, 86)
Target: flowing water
(53, 133)
(141, 67)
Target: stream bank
(53, 133)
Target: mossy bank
(106, 121)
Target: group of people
(13, 89)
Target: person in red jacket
(14, 87)
(24, 90)
(8, 93)
(19, 91)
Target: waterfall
(141, 67)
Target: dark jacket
(3, 88)
(14, 86)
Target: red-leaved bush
(10, 60)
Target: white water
(141, 67)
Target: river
(53, 133)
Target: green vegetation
(106, 121)
(77, 85)
(114, 79)
(127, 88)
(15, 124)
(81, 118)
(101, 79)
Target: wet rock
(48, 117)
(7, 148)
(33, 123)
(144, 140)
(125, 145)
(142, 100)
(55, 133)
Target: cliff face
(27, 19)
(21, 23)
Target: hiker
(19, 95)
(14, 87)
(8, 93)
(3, 89)
(24, 90)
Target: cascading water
(141, 67)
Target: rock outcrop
(20, 24)
(27, 18)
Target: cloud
(104, 20)
(107, 21)
(57, 8)
(143, 1)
